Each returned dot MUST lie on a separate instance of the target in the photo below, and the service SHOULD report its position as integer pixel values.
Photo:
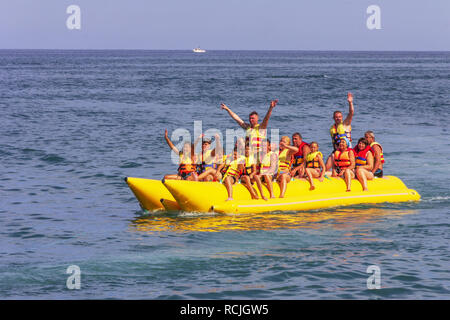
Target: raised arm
(265, 121)
(171, 145)
(218, 149)
(292, 149)
(351, 110)
(234, 116)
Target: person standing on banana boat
(208, 158)
(255, 132)
(377, 151)
(344, 163)
(315, 168)
(363, 162)
(341, 128)
(249, 176)
(285, 156)
(298, 165)
(269, 165)
(187, 167)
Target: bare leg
(363, 175)
(172, 177)
(283, 180)
(348, 176)
(329, 164)
(309, 175)
(229, 185)
(207, 175)
(268, 180)
(259, 184)
(248, 185)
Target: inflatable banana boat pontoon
(195, 196)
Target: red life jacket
(361, 156)
(299, 157)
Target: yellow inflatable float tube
(152, 194)
(210, 196)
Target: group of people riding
(256, 159)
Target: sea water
(75, 123)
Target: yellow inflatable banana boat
(152, 194)
(210, 196)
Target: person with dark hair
(315, 168)
(255, 132)
(363, 162)
(341, 128)
(344, 163)
(377, 151)
(298, 165)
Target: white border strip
(317, 200)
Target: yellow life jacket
(186, 165)
(339, 132)
(311, 161)
(207, 161)
(233, 168)
(381, 152)
(284, 163)
(249, 162)
(255, 137)
(266, 163)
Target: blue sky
(226, 25)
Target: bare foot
(229, 199)
(365, 189)
(312, 188)
(264, 198)
(348, 190)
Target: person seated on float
(269, 165)
(255, 132)
(377, 151)
(298, 165)
(344, 163)
(364, 162)
(285, 155)
(249, 174)
(208, 158)
(234, 171)
(315, 167)
(341, 128)
(187, 167)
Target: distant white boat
(198, 50)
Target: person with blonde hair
(285, 156)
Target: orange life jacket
(342, 159)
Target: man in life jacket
(344, 163)
(187, 167)
(285, 156)
(341, 128)
(363, 162)
(377, 151)
(208, 159)
(298, 164)
(255, 132)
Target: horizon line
(278, 50)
